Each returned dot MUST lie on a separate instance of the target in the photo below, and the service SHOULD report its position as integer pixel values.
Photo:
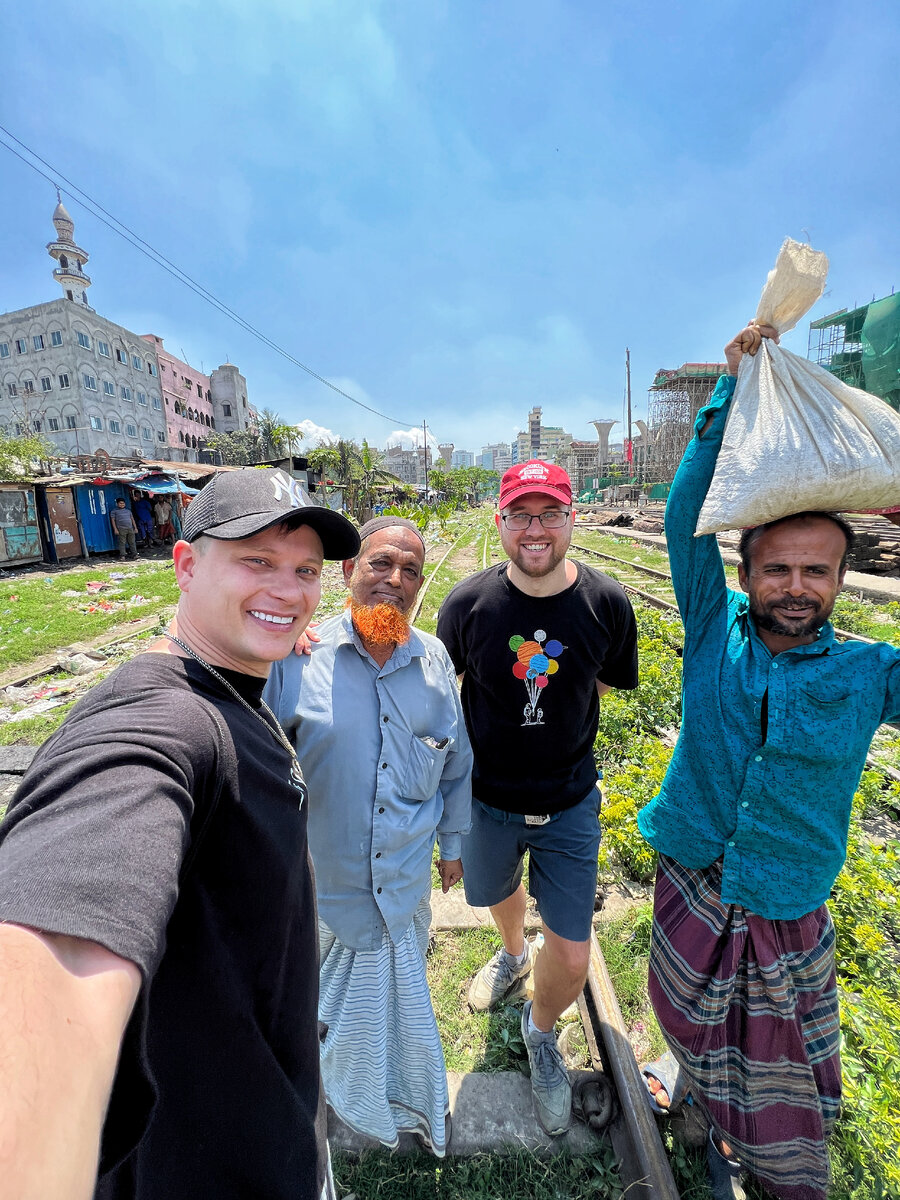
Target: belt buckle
(537, 819)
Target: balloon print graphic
(535, 663)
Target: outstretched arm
(64, 1006)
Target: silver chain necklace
(274, 727)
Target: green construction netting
(881, 350)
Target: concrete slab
(452, 912)
(490, 1112)
(15, 760)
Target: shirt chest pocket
(425, 765)
(826, 720)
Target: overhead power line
(113, 223)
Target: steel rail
(428, 582)
(643, 1165)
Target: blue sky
(456, 210)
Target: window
(63, 380)
(114, 426)
(121, 356)
(151, 368)
(37, 426)
(126, 392)
(109, 389)
(154, 400)
(4, 349)
(160, 435)
(96, 423)
(146, 434)
(199, 391)
(46, 383)
(53, 423)
(135, 362)
(226, 410)
(70, 423)
(83, 339)
(190, 414)
(55, 337)
(19, 429)
(12, 389)
(69, 295)
(21, 346)
(181, 437)
(38, 341)
(28, 385)
(103, 348)
(90, 383)
(130, 429)
(142, 398)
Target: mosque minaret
(70, 258)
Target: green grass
(382, 1176)
(471, 1041)
(38, 616)
(625, 944)
(31, 731)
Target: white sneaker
(551, 1090)
(499, 980)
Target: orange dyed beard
(379, 624)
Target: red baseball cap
(535, 476)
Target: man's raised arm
(64, 1006)
(697, 572)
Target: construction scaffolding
(861, 346)
(675, 398)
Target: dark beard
(765, 620)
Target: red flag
(628, 453)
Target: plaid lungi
(749, 1008)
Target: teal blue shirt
(775, 810)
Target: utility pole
(629, 451)
(425, 457)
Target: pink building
(197, 405)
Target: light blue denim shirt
(775, 811)
(387, 760)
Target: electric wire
(122, 230)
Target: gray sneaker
(551, 1091)
(499, 980)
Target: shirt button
(385, 718)
(384, 766)
(757, 758)
(745, 804)
(378, 855)
(774, 666)
(730, 844)
(378, 890)
(381, 810)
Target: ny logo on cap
(288, 489)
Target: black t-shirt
(529, 695)
(160, 821)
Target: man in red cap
(538, 640)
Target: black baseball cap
(238, 504)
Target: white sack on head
(798, 438)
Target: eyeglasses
(549, 520)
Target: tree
(18, 454)
(275, 434)
(238, 449)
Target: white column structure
(603, 430)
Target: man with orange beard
(375, 716)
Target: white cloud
(313, 433)
(408, 438)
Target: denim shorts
(562, 870)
